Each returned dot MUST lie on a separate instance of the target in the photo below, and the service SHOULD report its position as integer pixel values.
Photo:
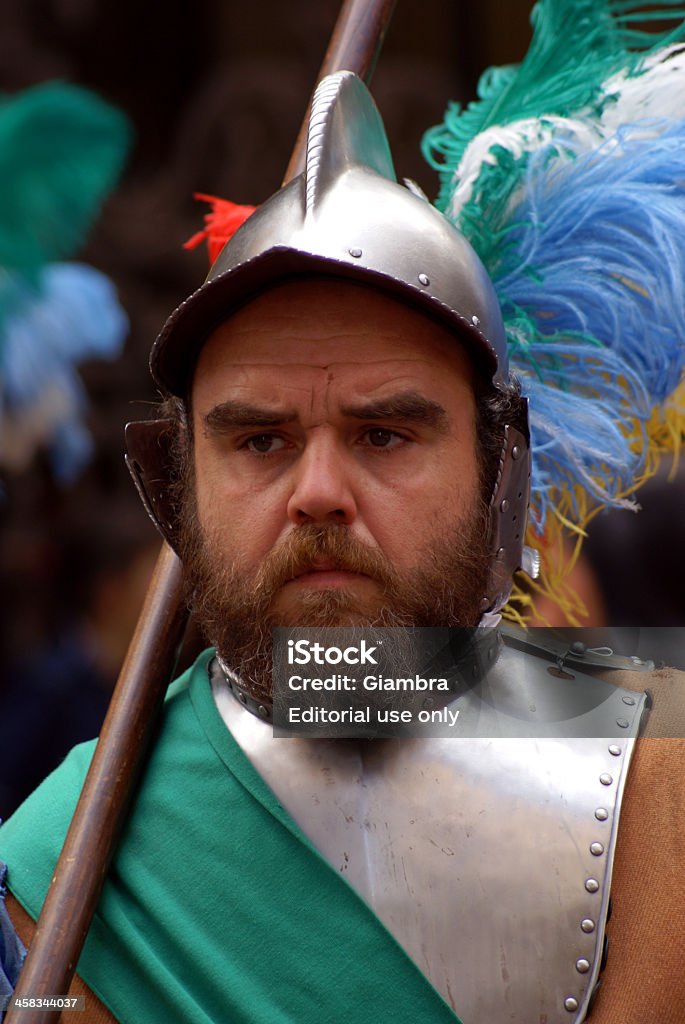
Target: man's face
(335, 464)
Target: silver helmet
(347, 217)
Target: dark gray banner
(503, 682)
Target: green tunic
(217, 907)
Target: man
(351, 452)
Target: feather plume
(601, 39)
(74, 315)
(221, 223)
(568, 177)
(61, 150)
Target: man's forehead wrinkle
(329, 367)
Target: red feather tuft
(221, 224)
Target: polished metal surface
(346, 215)
(439, 835)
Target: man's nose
(322, 491)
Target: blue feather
(591, 279)
(71, 316)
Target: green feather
(61, 151)
(576, 46)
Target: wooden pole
(81, 869)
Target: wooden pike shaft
(80, 872)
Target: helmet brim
(177, 348)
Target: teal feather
(576, 46)
(61, 151)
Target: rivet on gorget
(636, 661)
(629, 700)
(615, 750)
(591, 884)
(582, 965)
(587, 925)
(428, 702)
(601, 814)
(242, 698)
(570, 1004)
(356, 253)
(262, 711)
(504, 505)
(622, 723)
(515, 452)
(578, 647)
(606, 779)
(500, 554)
(475, 321)
(424, 279)
(596, 849)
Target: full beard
(234, 605)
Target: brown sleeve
(95, 1012)
(644, 979)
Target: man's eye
(264, 444)
(379, 437)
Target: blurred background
(215, 92)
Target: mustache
(311, 544)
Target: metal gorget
(488, 859)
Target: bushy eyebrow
(229, 415)
(407, 406)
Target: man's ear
(151, 457)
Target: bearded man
(350, 451)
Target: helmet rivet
(622, 723)
(424, 279)
(601, 814)
(356, 253)
(504, 505)
(582, 965)
(591, 884)
(515, 452)
(587, 925)
(262, 711)
(615, 750)
(500, 554)
(475, 321)
(570, 1004)
(596, 849)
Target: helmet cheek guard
(347, 217)
(508, 513)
